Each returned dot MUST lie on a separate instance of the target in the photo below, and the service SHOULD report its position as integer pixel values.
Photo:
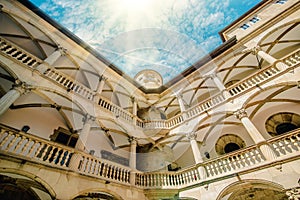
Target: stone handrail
(263, 75)
(23, 57)
(234, 162)
(285, 146)
(168, 180)
(100, 168)
(12, 50)
(69, 83)
(116, 110)
(34, 148)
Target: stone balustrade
(69, 83)
(13, 51)
(268, 73)
(168, 180)
(234, 162)
(116, 110)
(99, 168)
(34, 148)
(14, 143)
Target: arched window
(282, 122)
(229, 143)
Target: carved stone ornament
(241, 113)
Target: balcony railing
(35, 149)
(268, 73)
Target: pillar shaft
(270, 59)
(101, 84)
(84, 133)
(132, 159)
(197, 154)
(10, 97)
(217, 82)
(54, 56)
(181, 103)
(196, 151)
(266, 150)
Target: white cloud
(168, 35)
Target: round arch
(94, 191)
(251, 188)
(31, 176)
(289, 84)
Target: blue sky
(165, 35)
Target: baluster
(26, 148)
(49, 155)
(59, 156)
(5, 140)
(19, 144)
(2, 135)
(56, 154)
(11, 142)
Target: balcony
(10, 50)
(30, 148)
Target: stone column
(132, 159)
(181, 105)
(11, 96)
(55, 55)
(197, 155)
(50, 60)
(85, 131)
(219, 84)
(100, 87)
(255, 134)
(267, 57)
(81, 142)
(134, 109)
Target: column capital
(241, 113)
(62, 50)
(132, 140)
(87, 118)
(102, 78)
(255, 50)
(133, 99)
(211, 75)
(191, 135)
(21, 87)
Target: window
(229, 143)
(281, 1)
(244, 26)
(282, 122)
(254, 20)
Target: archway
(19, 187)
(254, 190)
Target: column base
(268, 152)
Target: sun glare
(134, 5)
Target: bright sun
(134, 5)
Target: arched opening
(96, 195)
(18, 187)
(230, 147)
(254, 190)
(282, 122)
(229, 143)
